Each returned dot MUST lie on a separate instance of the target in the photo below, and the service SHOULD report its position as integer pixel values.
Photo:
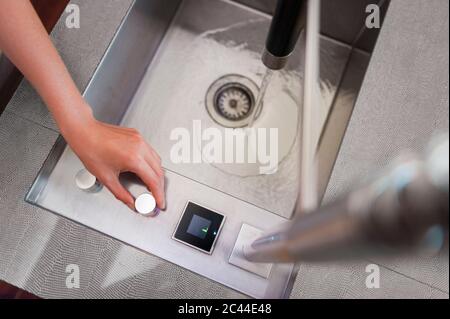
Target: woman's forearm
(25, 42)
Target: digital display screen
(199, 227)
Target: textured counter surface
(402, 105)
(404, 99)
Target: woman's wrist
(74, 125)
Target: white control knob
(87, 182)
(145, 204)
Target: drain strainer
(230, 100)
(234, 102)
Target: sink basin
(155, 77)
(207, 41)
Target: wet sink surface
(154, 78)
(209, 40)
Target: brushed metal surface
(109, 93)
(119, 93)
(132, 49)
(210, 39)
(103, 213)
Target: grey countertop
(400, 106)
(403, 103)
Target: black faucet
(287, 24)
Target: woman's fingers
(117, 189)
(154, 183)
(116, 149)
(154, 161)
(152, 179)
(152, 173)
(129, 152)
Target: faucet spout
(287, 24)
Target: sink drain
(231, 100)
(234, 102)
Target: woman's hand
(107, 150)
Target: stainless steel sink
(155, 77)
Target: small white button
(86, 181)
(145, 204)
(247, 235)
